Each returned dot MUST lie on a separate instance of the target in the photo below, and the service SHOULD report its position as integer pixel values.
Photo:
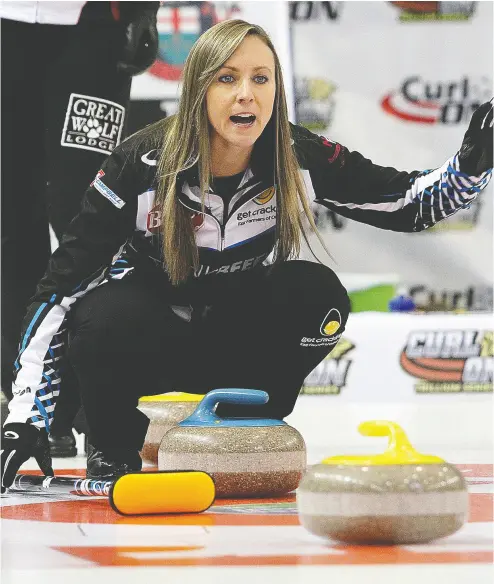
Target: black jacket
(116, 235)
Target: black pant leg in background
(25, 235)
(86, 100)
(85, 111)
(42, 67)
(126, 342)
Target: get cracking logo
(330, 325)
(265, 196)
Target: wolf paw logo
(93, 128)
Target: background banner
(408, 358)
(398, 81)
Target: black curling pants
(53, 143)
(126, 342)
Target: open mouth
(243, 120)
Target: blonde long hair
(185, 142)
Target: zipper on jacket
(223, 224)
(226, 218)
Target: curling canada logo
(426, 101)
(330, 376)
(450, 361)
(197, 221)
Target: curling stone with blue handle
(164, 412)
(397, 497)
(247, 457)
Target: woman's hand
(19, 443)
(475, 156)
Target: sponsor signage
(434, 11)
(309, 11)
(449, 360)
(421, 99)
(386, 358)
(331, 375)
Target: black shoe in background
(111, 464)
(62, 446)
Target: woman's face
(240, 100)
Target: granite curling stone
(397, 497)
(247, 457)
(164, 412)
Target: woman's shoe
(111, 464)
(62, 446)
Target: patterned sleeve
(351, 185)
(78, 265)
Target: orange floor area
(48, 535)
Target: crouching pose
(162, 281)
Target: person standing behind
(67, 69)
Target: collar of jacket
(261, 164)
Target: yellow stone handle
(172, 397)
(399, 450)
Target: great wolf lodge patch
(92, 123)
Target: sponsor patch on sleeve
(334, 147)
(100, 186)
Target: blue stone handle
(204, 412)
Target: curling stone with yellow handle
(397, 497)
(247, 457)
(164, 412)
